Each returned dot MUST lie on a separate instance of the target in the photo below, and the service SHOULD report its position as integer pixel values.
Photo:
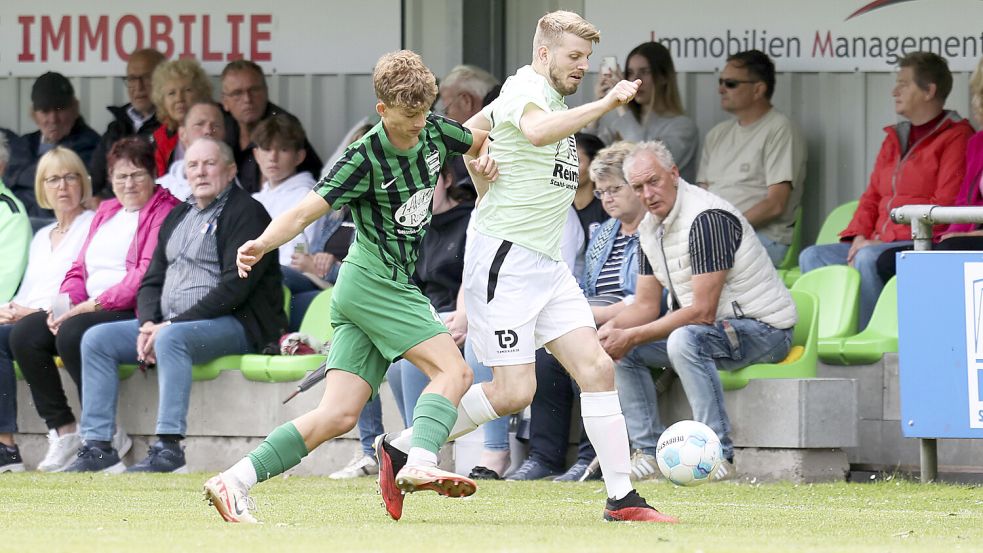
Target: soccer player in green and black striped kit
(387, 178)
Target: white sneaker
(62, 451)
(643, 466)
(361, 465)
(725, 471)
(121, 441)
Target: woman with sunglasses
(657, 112)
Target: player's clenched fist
(248, 255)
(486, 167)
(623, 92)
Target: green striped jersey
(390, 192)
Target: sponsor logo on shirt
(433, 162)
(415, 212)
(566, 166)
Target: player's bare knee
(599, 377)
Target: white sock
(474, 410)
(605, 426)
(419, 457)
(244, 472)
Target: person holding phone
(657, 111)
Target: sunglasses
(733, 83)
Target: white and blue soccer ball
(688, 453)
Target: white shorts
(517, 301)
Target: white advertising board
(799, 35)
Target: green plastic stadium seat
(829, 233)
(838, 289)
(881, 334)
(287, 368)
(804, 335)
(792, 255)
(286, 300)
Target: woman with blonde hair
(62, 184)
(177, 85)
(100, 286)
(657, 111)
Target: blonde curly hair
(401, 80)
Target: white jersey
(528, 203)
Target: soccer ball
(688, 453)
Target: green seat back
(881, 334)
(837, 287)
(804, 335)
(829, 233)
(792, 255)
(317, 319)
(835, 222)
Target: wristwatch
(96, 304)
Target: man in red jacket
(922, 161)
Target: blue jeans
(695, 352)
(865, 262)
(8, 384)
(178, 347)
(776, 250)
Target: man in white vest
(727, 307)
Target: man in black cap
(55, 111)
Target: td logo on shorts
(507, 340)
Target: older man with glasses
(756, 160)
(246, 101)
(137, 117)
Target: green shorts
(375, 321)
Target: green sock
(282, 450)
(433, 418)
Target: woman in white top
(656, 113)
(101, 285)
(61, 184)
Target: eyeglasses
(69, 179)
(599, 194)
(733, 83)
(137, 176)
(133, 80)
(240, 93)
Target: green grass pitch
(60, 512)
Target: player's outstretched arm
(542, 128)
(282, 229)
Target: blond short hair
(402, 81)
(56, 158)
(976, 91)
(608, 162)
(178, 69)
(552, 27)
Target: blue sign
(940, 344)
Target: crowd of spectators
(120, 249)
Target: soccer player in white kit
(519, 294)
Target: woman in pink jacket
(100, 286)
